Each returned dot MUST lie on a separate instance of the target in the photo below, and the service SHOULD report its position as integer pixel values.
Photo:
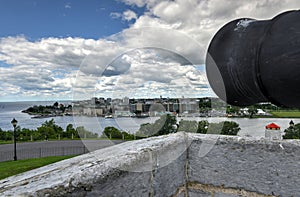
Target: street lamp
(14, 123)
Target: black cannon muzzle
(251, 61)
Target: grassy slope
(9, 168)
(286, 114)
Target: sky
(77, 49)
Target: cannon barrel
(251, 61)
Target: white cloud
(128, 15)
(201, 19)
(184, 27)
(115, 15)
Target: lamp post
(14, 123)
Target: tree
(221, 128)
(232, 109)
(252, 111)
(55, 105)
(162, 126)
(230, 128)
(70, 132)
(293, 132)
(112, 132)
(6, 135)
(202, 126)
(50, 130)
(2, 134)
(26, 134)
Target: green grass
(6, 142)
(286, 114)
(9, 168)
(62, 139)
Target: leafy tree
(230, 128)
(25, 134)
(293, 132)
(164, 125)
(112, 132)
(128, 136)
(204, 105)
(202, 126)
(2, 134)
(55, 105)
(252, 111)
(232, 109)
(222, 128)
(70, 131)
(6, 135)
(62, 107)
(50, 130)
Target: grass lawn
(9, 168)
(286, 114)
(64, 139)
(6, 142)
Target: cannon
(252, 61)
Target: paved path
(53, 148)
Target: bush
(230, 128)
(293, 132)
(202, 126)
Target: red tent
(273, 126)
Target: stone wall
(249, 165)
(176, 165)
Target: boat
(108, 116)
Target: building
(273, 132)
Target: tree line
(164, 125)
(48, 130)
(168, 124)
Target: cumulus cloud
(147, 71)
(128, 62)
(128, 15)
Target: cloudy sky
(62, 50)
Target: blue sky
(63, 50)
(37, 19)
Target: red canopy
(272, 126)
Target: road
(53, 148)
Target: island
(57, 109)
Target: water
(10, 110)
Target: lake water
(10, 110)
